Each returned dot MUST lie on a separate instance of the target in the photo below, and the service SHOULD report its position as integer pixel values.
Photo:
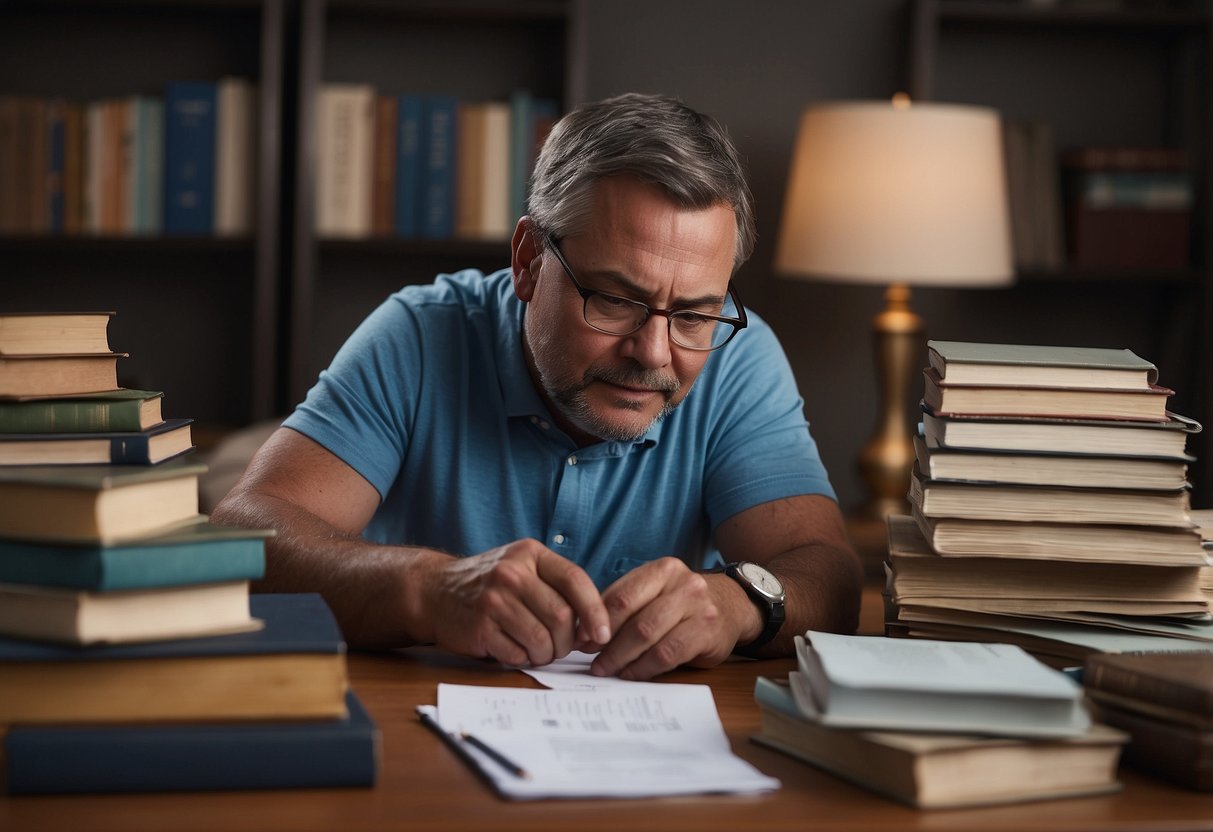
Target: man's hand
(520, 604)
(664, 615)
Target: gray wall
(755, 66)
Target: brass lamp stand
(886, 459)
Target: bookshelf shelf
(1190, 17)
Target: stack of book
(1050, 507)
(935, 724)
(121, 604)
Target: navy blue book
(292, 668)
(410, 167)
(159, 443)
(439, 143)
(189, 157)
(154, 758)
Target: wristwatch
(766, 591)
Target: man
(540, 460)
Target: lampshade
(896, 192)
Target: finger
(506, 650)
(574, 586)
(681, 645)
(646, 630)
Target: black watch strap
(773, 613)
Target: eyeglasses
(622, 316)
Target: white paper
(573, 673)
(637, 739)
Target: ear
(524, 258)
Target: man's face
(637, 245)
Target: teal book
(229, 755)
(121, 410)
(410, 165)
(293, 667)
(196, 554)
(157, 444)
(436, 215)
(1030, 365)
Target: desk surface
(424, 786)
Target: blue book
(153, 758)
(292, 668)
(410, 167)
(200, 553)
(439, 143)
(189, 157)
(56, 159)
(157, 444)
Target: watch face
(762, 580)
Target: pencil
(502, 760)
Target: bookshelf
(198, 315)
(1099, 74)
(475, 50)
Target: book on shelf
(919, 574)
(938, 771)
(56, 116)
(199, 553)
(1161, 545)
(1059, 435)
(968, 362)
(73, 168)
(87, 617)
(54, 333)
(97, 503)
(383, 166)
(292, 668)
(410, 165)
(58, 375)
(439, 140)
(482, 171)
(876, 683)
(112, 411)
(152, 446)
(1052, 468)
(75, 759)
(946, 398)
(146, 183)
(345, 135)
(235, 155)
(994, 501)
(189, 157)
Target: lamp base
(886, 460)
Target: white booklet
(921, 685)
(639, 740)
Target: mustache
(634, 376)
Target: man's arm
(518, 603)
(664, 615)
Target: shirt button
(543, 423)
(559, 539)
(572, 460)
(534, 420)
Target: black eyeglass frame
(737, 324)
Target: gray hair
(658, 140)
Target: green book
(198, 553)
(109, 412)
(1029, 365)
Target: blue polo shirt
(430, 400)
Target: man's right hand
(519, 604)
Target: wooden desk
(424, 786)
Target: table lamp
(896, 194)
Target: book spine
(60, 760)
(1135, 685)
(73, 167)
(410, 167)
(386, 152)
(70, 416)
(56, 157)
(439, 150)
(234, 153)
(189, 157)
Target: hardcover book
(292, 668)
(189, 157)
(111, 411)
(1072, 436)
(410, 166)
(199, 553)
(51, 333)
(438, 147)
(1181, 682)
(946, 398)
(58, 375)
(220, 756)
(96, 503)
(966, 362)
(938, 771)
(1167, 750)
(157, 444)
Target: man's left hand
(664, 615)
